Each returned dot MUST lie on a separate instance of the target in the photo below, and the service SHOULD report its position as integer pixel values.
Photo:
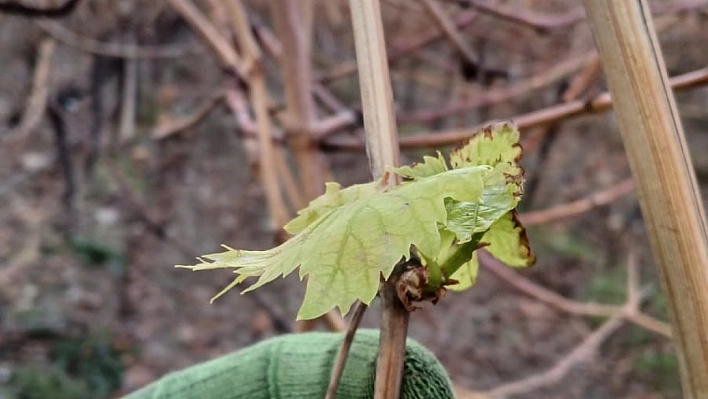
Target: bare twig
(221, 47)
(259, 101)
(544, 22)
(542, 117)
(511, 92)
(568, 305)
(580, 206)
(448, 27)
(543, 294)
(290, 186)
(300, 117)
(400, 50)
(37, 101)
(171, 127)
(341, 359)
(129, 97)
(89, 45)
(582, 353)
(539, 22)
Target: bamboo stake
(382, 150)
(666, 182)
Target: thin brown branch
(543, 294)
(210, 34)
(171, 127)
(118, 50)
(37, 101)
(129, 97)
(546, 22)
(447, 26)
(333, 124)
(341, 360)
(645, 321)
(580, 206)
(512, 92)
(559, 302)
(584, 79)
(290, 187)
(582, 353)
(533, 20)
(300, 118)
(542, 117)
(399, 50)
(259, 101)
(323, 95)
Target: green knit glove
(298, 366)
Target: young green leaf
(348, 248)
(492, 145)
(346, 239)
(333, 198)
(430, 166)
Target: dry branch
(509, 93)
(580, 206)
(399, 50)
(169, 128)
(539, 22)
(661, 166)
(542, 117)
(259, 101)
(448, 27)
(89, 45)
(300, 118)
(37, 101)
(228, 57)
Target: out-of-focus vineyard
(132, 138)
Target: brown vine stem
(542, 117)
(508, 93)
(661, 166)
(448, 27)
(580, 206)
(382, 149)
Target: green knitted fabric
(298, 366)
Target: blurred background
(131, 140)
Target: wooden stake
(382, 149)
(661, 165)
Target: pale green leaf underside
(508, 243)
(345, 250)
